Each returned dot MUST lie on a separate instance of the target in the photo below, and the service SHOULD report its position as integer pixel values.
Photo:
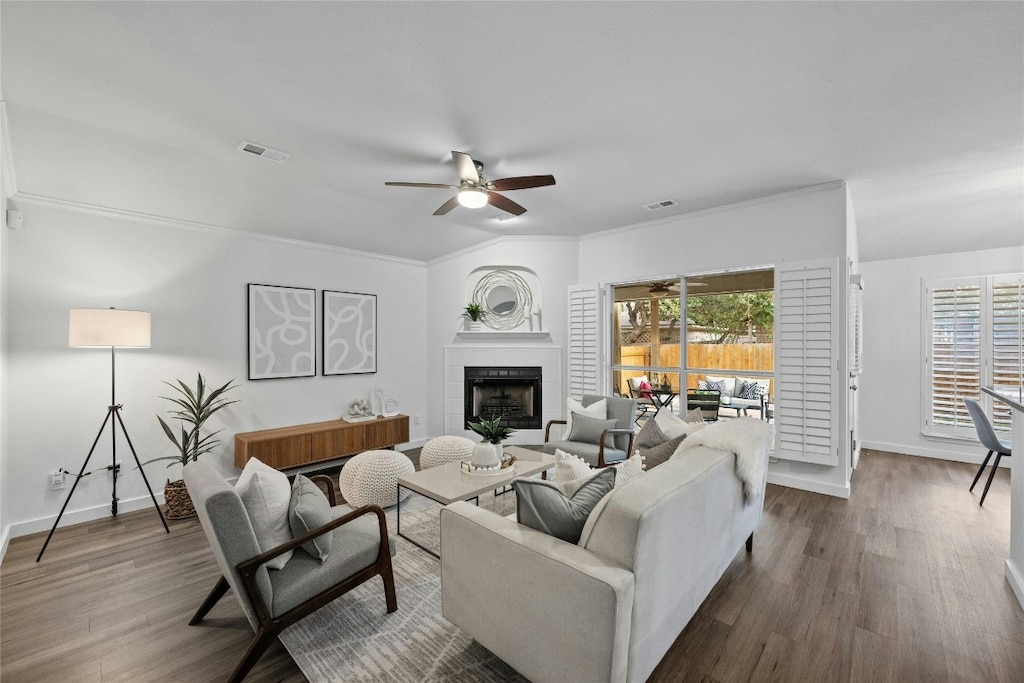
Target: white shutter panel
(1007, 343)
(806, 371)
(584, 340)
(856, 338)
(954, 354)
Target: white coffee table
(448, 483)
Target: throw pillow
(597, 409)
(588, 430)
(673, 426)
(541, 505)
(662, 452)
(266, 493)
(309, 509)
(572, 471)
(645, 389)
(754, 390)
(650, 435)
(694, 416)
(569, 467)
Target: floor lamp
(92, 328)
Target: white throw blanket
(746, 437)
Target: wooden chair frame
(270, 627)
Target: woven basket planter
(177, 502)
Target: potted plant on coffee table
(193, 407)
(488, 455)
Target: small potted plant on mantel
(194, 408)
(488, 454)
(473, 313)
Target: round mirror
(502, 300)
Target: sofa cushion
(597, 409)
(266, 493)
(309, 509)
(753, 389)
(649, 435)
(541, 505)
(588, 430)
(662, 452)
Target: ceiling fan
(665, 287)
(475, 191)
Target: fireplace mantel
(503, 336)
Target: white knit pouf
(371, 478)
(445, 449)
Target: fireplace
(512, 393)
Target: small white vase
(486, 455)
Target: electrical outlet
(415, 419)
(56, 480)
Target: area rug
(354, 640)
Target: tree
(639, 313)
(731, 316)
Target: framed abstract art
(350, 333)
(282, 332)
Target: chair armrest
(547, 428)
(549, 587)
(332, 496)
(619, 430)
(247, 568)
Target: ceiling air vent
(261, 151)
(661, 205)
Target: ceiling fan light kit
(475, 191)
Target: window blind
(955, 353)
(1007, 344)
(584, 346)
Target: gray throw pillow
(656, 455)
(588, 430)
(309, 509)
(541, 505)
(650, 435)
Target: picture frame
(349, 333)
(282, 331)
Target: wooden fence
(735, 357)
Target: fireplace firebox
(512, 393)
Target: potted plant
(193, 407)
(474, 312)
(488, 454)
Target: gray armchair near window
(611, 446)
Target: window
(974, 335)
(646, 338)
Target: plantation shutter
(807, 333)
(856, 332)
(584, 340)
(955, 354)
(1007, 343)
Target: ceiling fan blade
(522, 182)
(437, 185)
(505, 204)
(465, 166)
(447, 206)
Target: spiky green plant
(194, 408)
(473, 311)
(492, 430)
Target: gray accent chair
(623, 410)
(987, 437)
(274, 599)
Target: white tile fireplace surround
(459, 356)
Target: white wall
(7, 188)
(807, 224)
(554, 260)
(194, 284)
(890, 388)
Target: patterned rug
(354, 640)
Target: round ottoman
(371, 478)
(445, 449)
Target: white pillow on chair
(597, 410)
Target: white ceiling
(140, 107)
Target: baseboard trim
(70, 517)
(929, 453)
(5, 539)
(808, 485)
(1016, 580)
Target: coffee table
(448, 483)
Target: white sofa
(608, 608)
(733, 386)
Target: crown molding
(502, 239)
(193, 226)
(812, 189)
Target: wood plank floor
(903, 582)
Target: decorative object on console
(282, 332)
(488, 455)
(350, 333)
(360, 411)
(90, 328)
(193, 408)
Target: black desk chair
(988, 438)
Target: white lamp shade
(102, 327)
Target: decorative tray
(468, 468)
(363, 418)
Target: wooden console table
(300, 445)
